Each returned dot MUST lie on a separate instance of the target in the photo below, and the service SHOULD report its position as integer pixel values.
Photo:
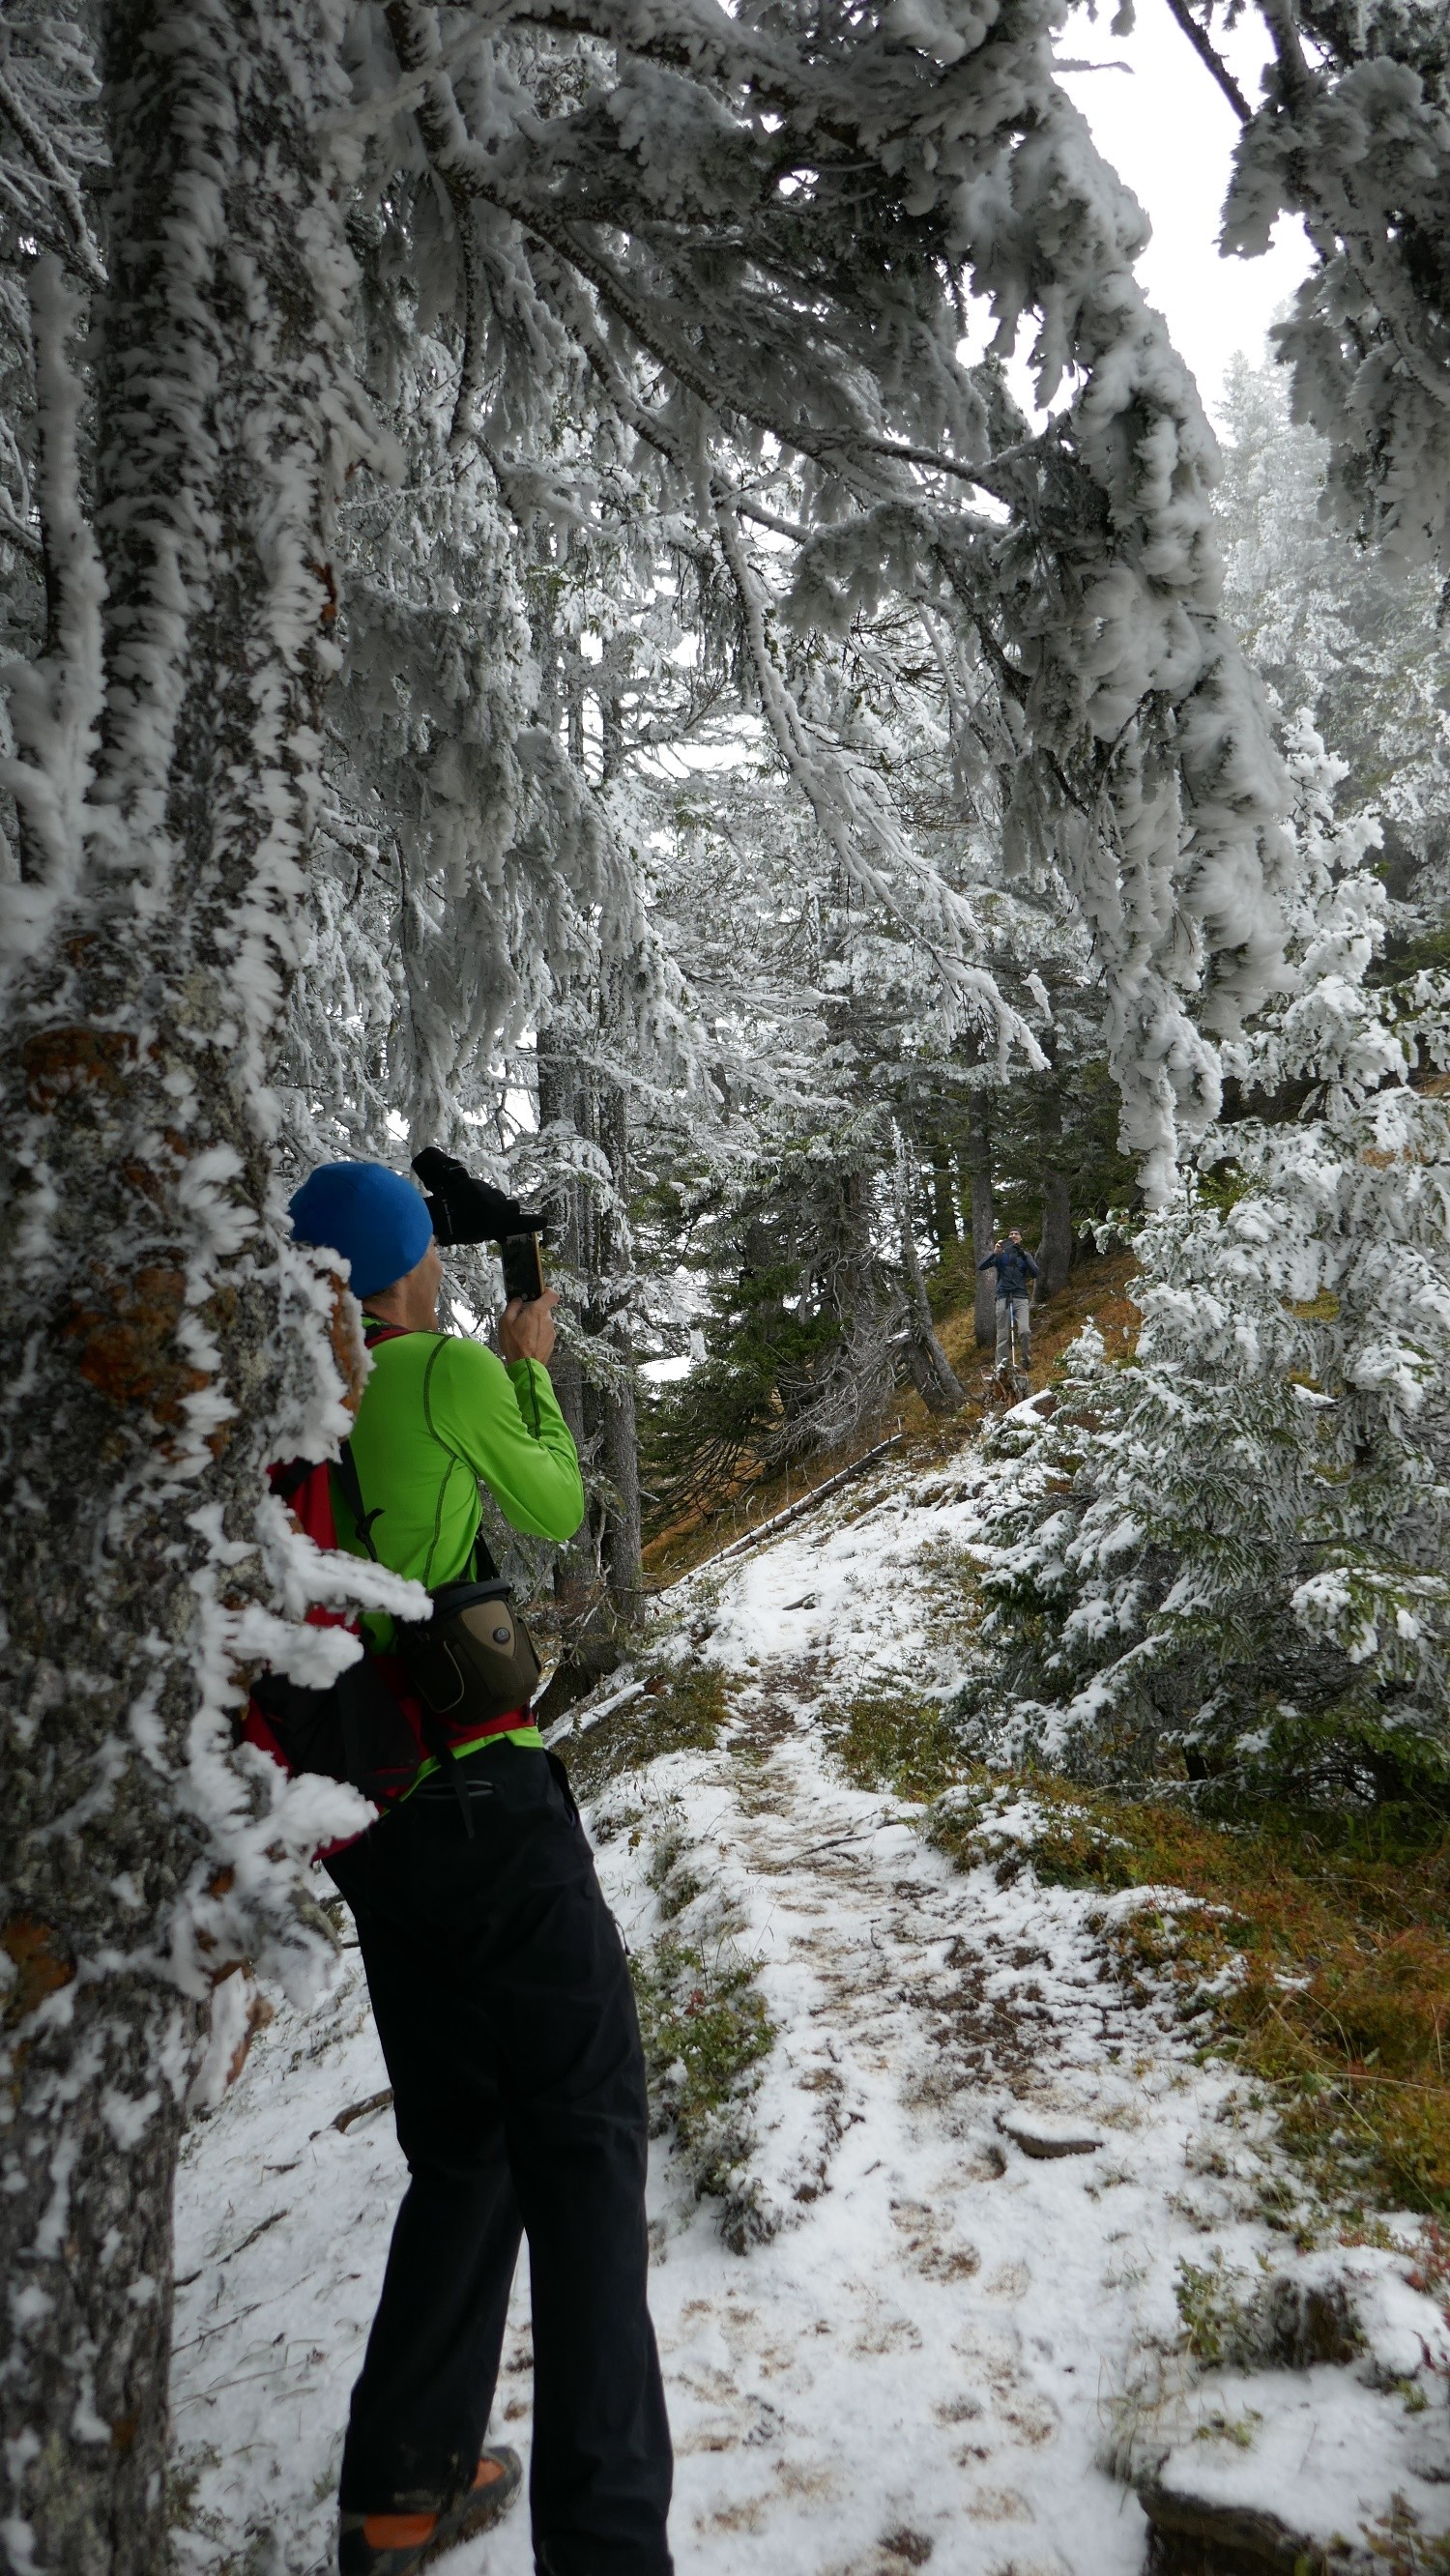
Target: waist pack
(473, 1659)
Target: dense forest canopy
(527, 629)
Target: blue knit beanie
(379, 1221)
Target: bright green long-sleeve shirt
(437, 1415)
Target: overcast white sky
(1169, 132)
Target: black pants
(507, 2019)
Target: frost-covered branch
(56, 702)
(1354, 135)
(1209, 55)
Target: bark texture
(145, 1287)
(943, 1202)
(575, 1569)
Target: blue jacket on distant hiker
(1016, 1271)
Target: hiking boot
(393, 2544)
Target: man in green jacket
(500, 1988)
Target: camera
(465, 1210)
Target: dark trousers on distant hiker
(506, 2014)
(1006, 1308)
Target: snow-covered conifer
(1227, 1551)
(1339, 629)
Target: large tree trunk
(575, 1567)
(977, 1159)
(586, 1110)
(146, 1290)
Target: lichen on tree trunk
(149, 1298)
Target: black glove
(464, 1210)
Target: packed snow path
(935, 2351)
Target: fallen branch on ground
(360, 2110)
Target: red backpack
(367, 1727)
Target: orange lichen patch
(124, 1354)
(327, 614)
(41, 1965)
(61, 1062)
(153, 1178)
(259, 2013)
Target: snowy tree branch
(1208, 54)
(82, 242)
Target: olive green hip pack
(474, 1659)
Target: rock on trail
(965, 2177)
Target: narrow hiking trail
(965, 2177)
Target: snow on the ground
(956, 2326)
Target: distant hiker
(498, 1979)
(1015, 1270)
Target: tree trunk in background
(932, 1373)
(152, 1356)
(575, 1568)
(617, 1409)
(592, 1241)
(977, 1161)
(1054, 1252)
(943, 1202)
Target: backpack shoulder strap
(348, 1478)
(304, 1485)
